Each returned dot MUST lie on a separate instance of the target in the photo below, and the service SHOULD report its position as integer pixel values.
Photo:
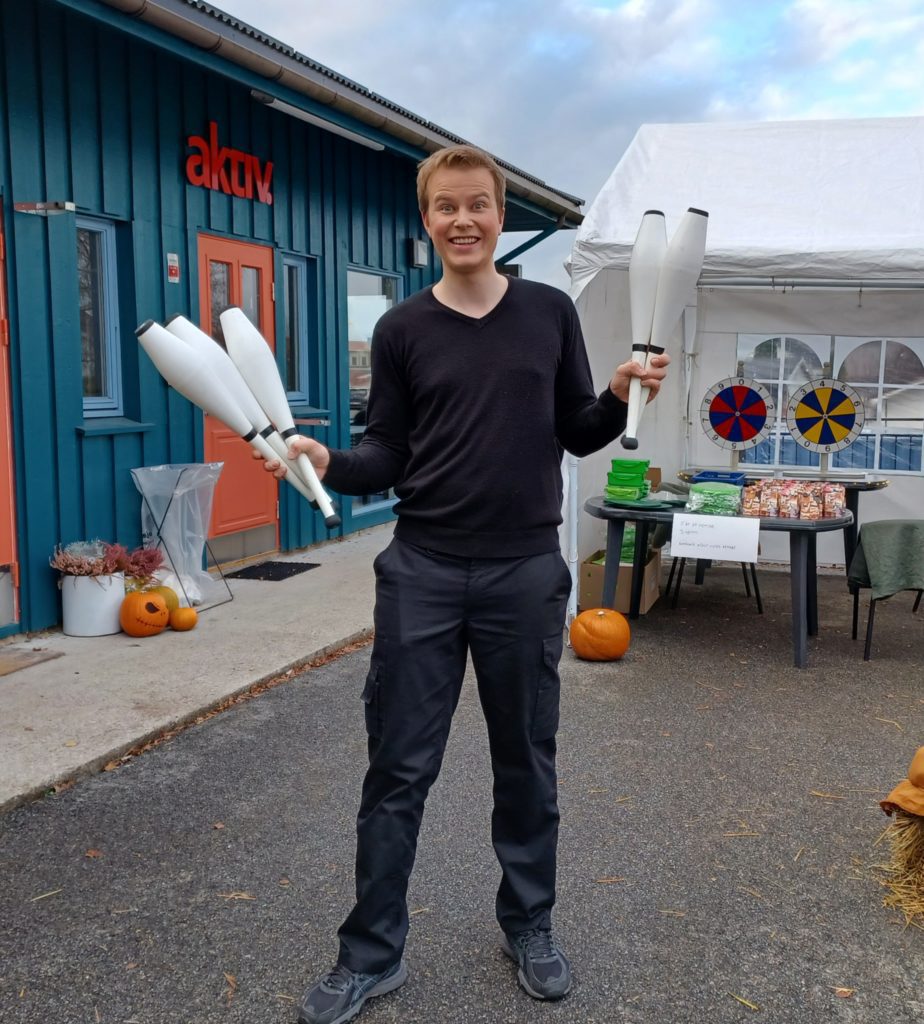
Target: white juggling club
(680, 270)
(253, 357)
(188, 372)
(644, 268)
(224, 369)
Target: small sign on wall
(173, 268)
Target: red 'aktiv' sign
(227, 170)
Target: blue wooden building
(159, 157)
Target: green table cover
(889, 557)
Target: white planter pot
(91, 604)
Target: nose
(463, 216)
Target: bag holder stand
(163, 544)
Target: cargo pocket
(372, 700)
(545, 714)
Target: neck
(473, 294)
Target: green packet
(712, 497)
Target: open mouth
(466, 240)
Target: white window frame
(362, 503)
(110, 402)
(841, 345)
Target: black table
(802, 560)
(852, 491)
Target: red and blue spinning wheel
(737, 413)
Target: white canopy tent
(816, 234)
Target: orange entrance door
(9, 569)
(237, 274)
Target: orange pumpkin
(182, 619)
(600, 634)
(143, 614)
(168, 594)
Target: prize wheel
(825, 415)
(737, 413)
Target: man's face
(463, 219)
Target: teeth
(463, 241)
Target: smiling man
(478, 384)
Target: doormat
(12, 661)
(272, 571)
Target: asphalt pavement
(718, 854)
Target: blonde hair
(458, 156)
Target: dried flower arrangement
(99, 558)
(143, 563)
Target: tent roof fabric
(795, 199)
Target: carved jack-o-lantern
(143, 614)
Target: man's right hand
(318, 455)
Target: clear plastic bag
(176, 508)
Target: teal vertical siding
(96, 115)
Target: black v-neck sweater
(467, 419)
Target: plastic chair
(889, 559)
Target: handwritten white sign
(731, 538)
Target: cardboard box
(654, 475)
(590, 583)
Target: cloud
(559, 87)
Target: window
(298, 299)
(369, 295)
(887, 373)
(99, 322)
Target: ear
(500, 216)
(426, 221)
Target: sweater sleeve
(584, 422)
(379, 460)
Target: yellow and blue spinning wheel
(825, 415)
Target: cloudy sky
(559, 87)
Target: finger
(299, 445)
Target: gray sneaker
(544, 969)
(340, 994)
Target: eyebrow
(483, 194)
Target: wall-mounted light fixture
(318, 122)
(46, 209)
(418, 252)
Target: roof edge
(210, 29)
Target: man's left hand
(651, 378)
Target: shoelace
(539, 943)
(339, 979)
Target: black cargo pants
(430, 611)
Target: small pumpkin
(600, 634)
(168, 594)
(182, 619)
(143, 614)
